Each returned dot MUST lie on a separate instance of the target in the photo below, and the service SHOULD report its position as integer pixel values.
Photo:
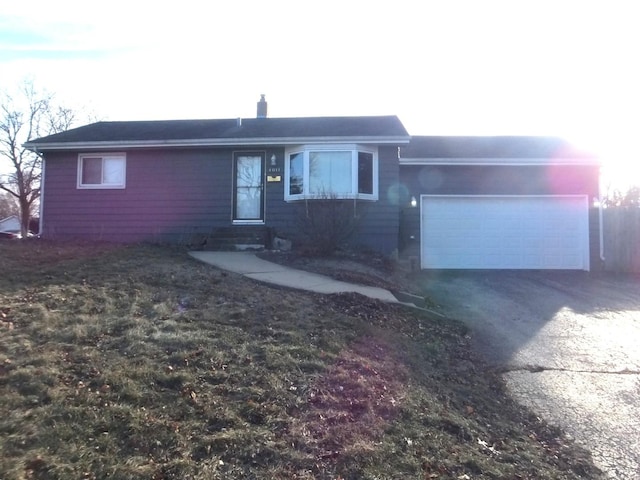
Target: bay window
(345, 171)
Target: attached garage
(499, 203)
(505, 232)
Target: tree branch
(38, 117)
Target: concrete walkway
(249, 265)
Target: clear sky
(490, 67)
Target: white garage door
(505, 232)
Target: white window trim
(353, 148)
(102, 186)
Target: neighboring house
(173, 181)
(10, 224)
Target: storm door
(248, 201)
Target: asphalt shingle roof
(487, 147)
(305, 129)
(228, 129)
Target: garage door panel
(505, 232)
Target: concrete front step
(239, 237)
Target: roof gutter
(213, 142)
(500, 161)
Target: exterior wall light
(414, 202)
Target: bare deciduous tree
(26, 116)
(620, 198)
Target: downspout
(41, 209)
(601, 221)
(601, 224)
(34, 149)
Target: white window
(344, 171)
(102, 170)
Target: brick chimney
(262, 107)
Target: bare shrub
(327, 222)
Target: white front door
(248, 202)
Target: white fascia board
(500, 161)
(214, 142)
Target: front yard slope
(141, 363)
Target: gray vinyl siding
(378, 229)
(495, 180)
(277, 211)
(170, 195)
(500, 180)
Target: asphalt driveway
(568, 344)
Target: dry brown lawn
(138, 362)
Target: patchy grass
(140, 363)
